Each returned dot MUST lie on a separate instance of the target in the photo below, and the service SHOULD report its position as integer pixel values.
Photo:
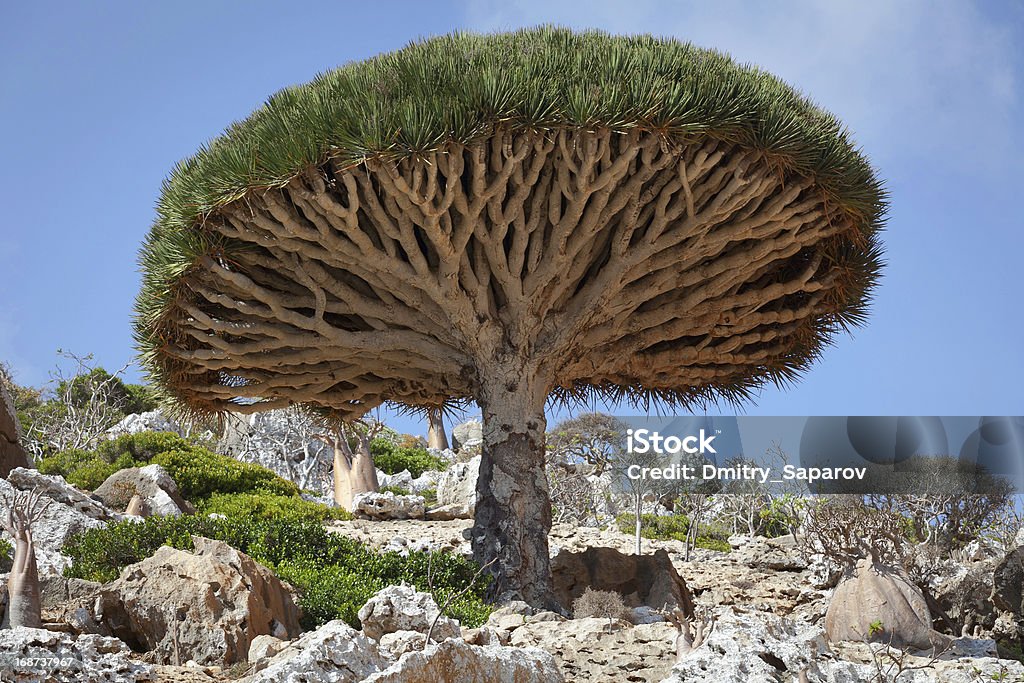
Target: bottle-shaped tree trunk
(23, 607)
(436, 437)
(354, 472)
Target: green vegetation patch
(198, 472)
(392, 459)
(334, 574)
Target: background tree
(22, 510)
(354, 472)
(505, 218)
(290, 441)
(589, 438)
(436, 436)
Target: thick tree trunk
(353, 470)
(436, 438)
(513, 509)
(639, 500)
(23, 607)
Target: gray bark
(513, 509)
(436, 437)
(23, 608)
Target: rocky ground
(763, 604)
(766, 603)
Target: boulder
(402, 480)
(427, 480)
(469, 434)
(876, 594)
(55, 488)
(265, 646)
(32, 654)
(12, 454)
(207, 606)
(454, 660)
(1008, 583)
(774, 554)
(403, 546)
(158, 491)
(752, 647)
(457, 487)
(649, 580)
(152, 421)
(403, 608)
(394, 645)
(334, 653)
(387, 505)
(447, 513)
(68, 512)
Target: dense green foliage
(672, 528)
(392, 459)
(658, 527)
(198, 472)
(458, 88)
(270, 506)
(335, 575)
(6, 555)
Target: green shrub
(392, 459)
(6, 555)
(429, 497)
(711, 543)
(141, 447)
(101, 553)
(656, 527)
(200, 473)
(270, 506)
(334, 574)
(397, 490)
(88, 469)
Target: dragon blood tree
(507, 218)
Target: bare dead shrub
(600, 604)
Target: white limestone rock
(387, 505)
(33, 654)
(473, 664)
(152, 421)
(403, 608)
(457, 487)
(334, 653)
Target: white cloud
(926, 78)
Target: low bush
(712, 543)
(100, 554)
(656, 527)
(269, 506)
(141, 447)
(392, 459)
(6, 555)
(429, 497)
(600, 604)
(200, 473)
(335, 575)
(397, 490)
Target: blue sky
(99, 100)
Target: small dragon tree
(23, 510)
(507, 218)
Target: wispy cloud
(932, 78)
